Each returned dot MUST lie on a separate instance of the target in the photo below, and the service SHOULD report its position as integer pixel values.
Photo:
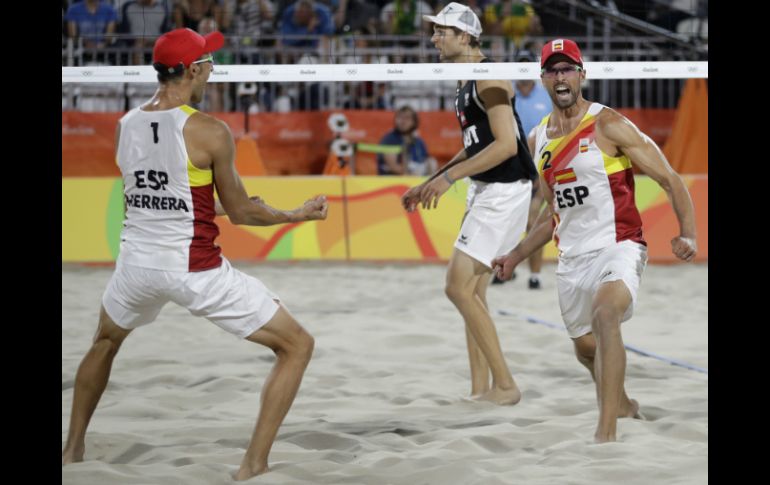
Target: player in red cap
(583, 152)
(172, 157)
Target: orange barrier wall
(298, 143)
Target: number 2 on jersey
(546, 156)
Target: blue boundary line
(629, 347)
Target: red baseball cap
(183, 46)
(561, 46)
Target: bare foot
(604, 438)
(71, 456)
(501, 397)
(630, 410)
(246, 473)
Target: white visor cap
(459, 16)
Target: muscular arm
(461, 156)
(213, 137)
(220, 211)
(539, 225)
(412, 197)
(537, 198)
(542, 227)
(626, 137)
(537, 237)
(496, 96)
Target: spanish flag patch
(565, 176)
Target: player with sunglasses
(584, 153)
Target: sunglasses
(552, 72)
(208, 58)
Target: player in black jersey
(497, 160)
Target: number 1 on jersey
(154, 125)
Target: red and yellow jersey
(593, 191)
(170, 213)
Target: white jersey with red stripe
(170, 213)
(593, 191)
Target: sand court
(384, 397)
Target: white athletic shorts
(495, 219)
(578, 278)
(232, 300)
